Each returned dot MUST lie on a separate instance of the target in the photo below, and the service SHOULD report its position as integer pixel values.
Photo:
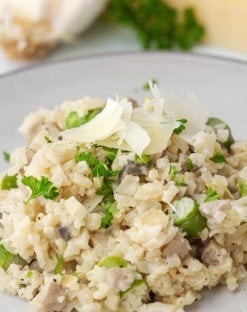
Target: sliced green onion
(113, 261)
(186, 215)
(9, 182)
(218, 124)
(7, 258)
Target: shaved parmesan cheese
(101, 127)
(176, 108)
(142, 131)
(137, 138)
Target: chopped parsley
(109, 209)
(29, 274)
(6, 258)
(144, 159)
(88, 157)
(188, 163)
(106, 188)
(211, 195)
(6, 156)
(218, 158)
(111, 155)
(242, 188)
(73, 119)
(58, 267)
(157, 24)
(9, 182)
(42, 187)
(101, 170)
(181, 127)
(113, 261)
(180, 181)
(47, 139)
(146, 85)
(172, 172)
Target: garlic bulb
(30, 29)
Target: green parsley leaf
(218, 158)
(111, 155)
(48, 140)
(172, 172)
(7, 258)
(189, 31)
(101, 170)
(182, 127)
(9, 182)
(146, 86)
(144, 159)
(242, 188)
(42, 187)
(109, 209)
(58, 266)
(6, 156)
(91, 160)
(106, 188)
(188, 163)
(73, 119)
(211, 195)
(180, 181)
(157, 24)
(29, 274)
(113, 261)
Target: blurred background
(40, 30)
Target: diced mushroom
(177, 246)
(30, 153)
(133, 102)
(210, 254)
(52, 298)
(64, 232)
(133, 169)
(120, 278)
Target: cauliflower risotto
(116, 206)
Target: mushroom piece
(210, 254)
(134, 169)
(31, 29)
(51, 298)
(177, 246)
(63, 231)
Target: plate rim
(49, 63)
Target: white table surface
(103, 39)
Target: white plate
(220, 84)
